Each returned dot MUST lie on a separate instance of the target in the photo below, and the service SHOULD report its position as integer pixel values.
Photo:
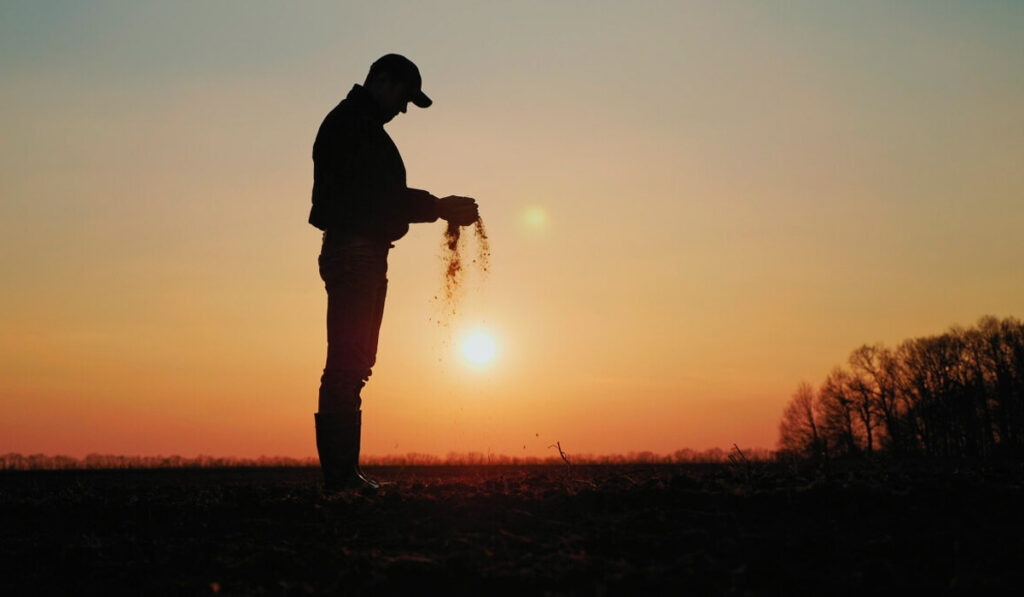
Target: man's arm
(421, 206)
(348, 187)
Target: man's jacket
(359, 178)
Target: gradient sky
(693, 206)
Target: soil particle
(452, 247)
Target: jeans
(354, 271)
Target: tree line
(19, 462)
(956, 395)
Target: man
(361, 202)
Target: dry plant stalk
(565, 458)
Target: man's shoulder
(344, 125)
(346, 116)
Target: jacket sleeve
(418, 206)
(351, 190)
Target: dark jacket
(359, 178)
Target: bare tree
(798, 430)
(839, 421)
(956, 395)
(866, 389)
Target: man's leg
(356, 282)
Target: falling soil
(455, 264)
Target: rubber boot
(337, 442)
(360, 477)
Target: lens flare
(535, 218)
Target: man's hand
(461, 211)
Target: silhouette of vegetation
(959, 395)
(33, 462)
(16, 462)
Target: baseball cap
(396, 65)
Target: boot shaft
(337, 443)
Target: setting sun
(479, 348)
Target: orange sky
(692, 208)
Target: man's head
(394, 81)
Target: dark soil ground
(681, 529)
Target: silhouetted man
(361, 202)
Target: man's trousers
(354, 271)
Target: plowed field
(680, 529)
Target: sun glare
(479, 348)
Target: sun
(479, 348)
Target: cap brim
(420, 99)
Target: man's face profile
(393, 95)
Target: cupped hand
(461, 211)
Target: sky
(692, 207)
